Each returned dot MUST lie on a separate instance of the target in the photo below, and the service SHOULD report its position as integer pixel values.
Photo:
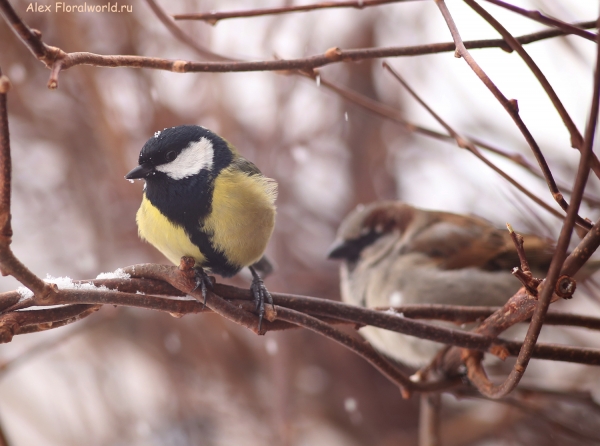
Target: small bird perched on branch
(395, 254)
(203, 200)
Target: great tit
(395, 254)
(203, 200)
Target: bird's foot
(203, 282)
(260, 294)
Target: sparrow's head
(366, 224)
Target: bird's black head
(180, 165)
(181, 152)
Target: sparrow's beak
(141, 171)
(338, 250)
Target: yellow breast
(169, 239)
(243, 215)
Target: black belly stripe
(187, 204)
(215, 260)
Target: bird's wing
(245, 166)
(459, 241)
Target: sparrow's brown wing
(459, 241)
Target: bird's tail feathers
(264, 267)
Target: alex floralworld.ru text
(65, 7)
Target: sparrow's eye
(171, 156)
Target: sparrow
(394, 254)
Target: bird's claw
(203, 282)
(260, 294)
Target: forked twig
(464, 143)
(510, 108)
(558, 265)
(576, 138)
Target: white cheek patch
(196, 156)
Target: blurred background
(133, 377)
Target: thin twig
(576, 137)
(510, 108)
(387, 112)
(463, 142)
(546, 20)
(170, 24)
(363, 349)
(430, 419)
(21, 322)
(214, 17)
(9, 264)
(476, 371)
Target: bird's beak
(141, 171)
(338, 250)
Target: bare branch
(214, 17)
(9, 264)
(576, 138)
(464, 143)
(182, 36)
(510, 108)
(362, 348)
(57, 60)
(430, 419)
(21, 322)
(539, 17)
(473, 362)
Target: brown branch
(21, 322)
(464, 143)
(148, 294)
(170, 24)
(214, 17)
(184, 279)
(32, 38)
(360, 347)
(576, 138)
(474, 361)
(510, 108)
(9, 264)
(365, 350)
(239, 310)
(581, 254)
(58, 60)
(519, 246)
(523, 273)
(541, 18)
(387, 112)
(460, 314)
(5, 162)
(430, 419)
(499, 321)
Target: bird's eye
(171, 156)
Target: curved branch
(510, 108)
